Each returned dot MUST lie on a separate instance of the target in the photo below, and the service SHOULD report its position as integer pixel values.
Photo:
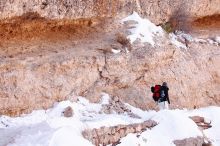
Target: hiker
(161, 96)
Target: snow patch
(217, 39)
(175, 42)
(198, 40)
(210, 113)
(172, 125)
(116, 51)
(105, 99)
(133, 140)
(68, 137)
(144, 29)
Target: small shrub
(167, 27)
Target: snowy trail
(8, 135)
(50, 128)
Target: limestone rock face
(192, 75)
(156, 10)
(37, 82)
(26, 85)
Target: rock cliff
(37, 73)
(45, 56)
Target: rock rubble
(111, 135)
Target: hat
(164, 84)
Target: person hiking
(161, 96)
(164, 97)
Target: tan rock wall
(158, 11)
(27, 85)
(192, 76)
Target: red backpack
(156, 92)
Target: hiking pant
(163, 105)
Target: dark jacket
(164, 96)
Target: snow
(50, 128)
(67, 137)
(200, 40)
(211, 113)
(180, 39)
(175, 42)
(147, 32)
(116, 51)
(217, 39)
(105, 98)
(182, 35)
(175, 124)
(144, 29)
(132, 140)
(170, 128)
(213, 41)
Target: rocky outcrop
(198, 141)
(68, 112)
(158, 11)
(111, 135)
(201, 122)
(117, 106)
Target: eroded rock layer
(158, 11)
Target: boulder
(68, 112)
(198, 141)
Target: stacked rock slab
(111, 135)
